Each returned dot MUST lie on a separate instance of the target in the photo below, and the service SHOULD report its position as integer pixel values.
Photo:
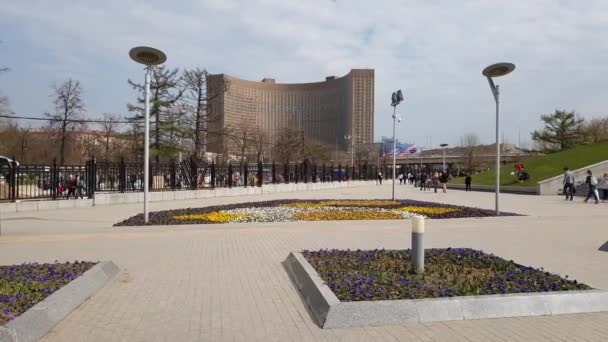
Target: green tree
(166, 90)
(562, 129)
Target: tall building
(325, 112)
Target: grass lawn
(388, 274)
(546, 166)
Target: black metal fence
(24, 182)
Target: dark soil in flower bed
(23, 286)
(388, 275)
(166, 217)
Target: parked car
(6, 165)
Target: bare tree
(470, 143)
(260, 142)
(317, 153)
(4, 105)
(290, 143)
(240, 137)
(199, 94)
(3, 68)
(68, 107)
(109, 127)
(595, 130)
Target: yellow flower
(341, 203)
(215, 216)
(346, 215)
(429, 210)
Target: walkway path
(226, 282)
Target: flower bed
(22, 286)
(388, 275)
(308, 210)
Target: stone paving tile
(227, 283)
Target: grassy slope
(547, 166)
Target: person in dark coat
(444, 178)
(423, 181)
(467, 182)
(592, 183)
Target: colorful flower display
(341, 215)
(388, 275)
(214, 216)
(344, 203)
(308, 210)
(429, 210)
(23, 286)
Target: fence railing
(25, 182)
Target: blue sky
(433, 50)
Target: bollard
(417, 252)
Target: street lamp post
(497, 70)
(443, 146)
(396, 98)
(149, 57)
(352, 149)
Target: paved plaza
(227, 283)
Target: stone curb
(42, 317)
(330, 312)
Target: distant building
(325, 112)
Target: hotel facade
(325, 112)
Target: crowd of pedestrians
(425, 181)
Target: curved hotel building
(325, 112)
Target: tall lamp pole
(396, 98)
(443, 146)
(149, 57)
(352, 148)
(497, 70)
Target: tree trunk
(197, 130)
(157, 138)
(62, 148)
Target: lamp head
(399, 95)
(147, 55)
(498, 69)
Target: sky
(433, 50)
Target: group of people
(72, 186)
(423, 180)
(593, 184)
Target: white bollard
(417, 252)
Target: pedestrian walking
(423, 178)
(401, 178)
(72, 185)
(435, 180)
(444, 178)
(603, 185)
(379, 178)
(568, 183)
(592, 182)
(467, 182)
(80, 187)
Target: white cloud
(433, 50)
